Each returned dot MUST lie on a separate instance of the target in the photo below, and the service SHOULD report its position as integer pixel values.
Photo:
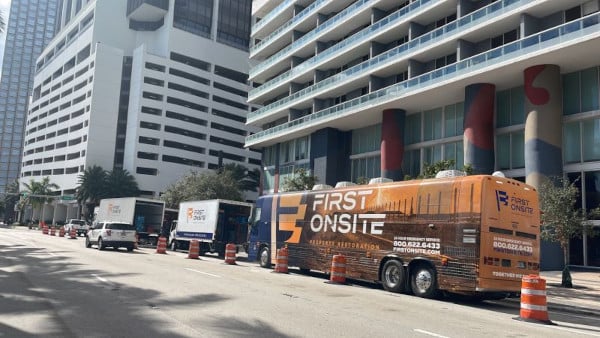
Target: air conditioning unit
(380, 180)
(321, 187)
(450, 173)
(343, 184)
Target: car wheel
(130, 248)
(423, 281)
(88, 244)
(265, 257)
(392, 276)
(101, 245)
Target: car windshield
(120, 226)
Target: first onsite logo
(501, 198)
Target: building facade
(30, 27)
(368, 88)
(156, 87)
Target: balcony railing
(394, 55)
(569, 32)
(346, 13)
(272, 14)
(346, 44)
(314, 7)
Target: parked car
(111, 234)
(79, 225)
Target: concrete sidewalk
(583, 297)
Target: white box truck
(214, 223)
(147, 215)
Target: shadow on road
(37, 285)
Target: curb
(558, 307)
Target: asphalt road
(55, 287)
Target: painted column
(392, 143)
(478, 134)
(543, 125)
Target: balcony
(147, 10)
(555, 45)
(386, 60)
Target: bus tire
(264, 256)
(423, 281)
(393, 276)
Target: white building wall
(110, 40)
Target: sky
(5, 9)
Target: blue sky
(5, 8)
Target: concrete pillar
(392, 143)
(543, 125)
(479, 127)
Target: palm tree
(91, 187)
(120, 183)
(10, 200)
(39, 193)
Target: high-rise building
(30, 27)
(156, 87)
(356, 89)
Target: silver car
(111, 234)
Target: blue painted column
(543, 125)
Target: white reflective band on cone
(534, 307)
(533, 292)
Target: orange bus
(473, 235)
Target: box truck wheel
(423, 281)
(392, 276)
(265, 257)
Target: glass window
(450, 126)
(194, 16)
(503, 151)
(517, 105)
(571, 94)
(589, 89)
(591, 140)
(233, 27)
(412, 131)
(571, 142)
(366, 139)
(503, 109)
(518, 150)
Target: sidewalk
(583, 298)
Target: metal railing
(568, 32)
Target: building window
(510, 151)
(510, 107)
(366, 139)
(234, 23)
(194, 16)
(146, 171)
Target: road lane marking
(429, 333)
(104, 280)
(204, 273)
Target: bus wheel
(423, 281)
(265, 257)
(392, 276)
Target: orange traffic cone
(230, 253)
(161, 248)
(194, 249)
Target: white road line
(204, 273)
(429, 333)
(104, 280)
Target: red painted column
(479, 127)
(392, 143)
